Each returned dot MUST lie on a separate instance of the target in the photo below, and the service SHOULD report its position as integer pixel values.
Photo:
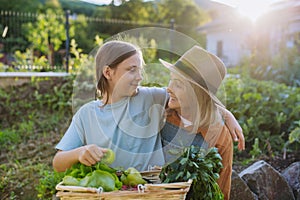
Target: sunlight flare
(252, 9)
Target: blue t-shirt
(129, 127)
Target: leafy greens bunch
(201, 165)
(98, 175)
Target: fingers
(240, 139)
(234, 136)
(238, 136)
(91, 154)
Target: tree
(186, 14)
(47, 33)
(134, 10)
(20, 5)
(84, 33)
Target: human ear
(107, 72)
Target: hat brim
(173, 68)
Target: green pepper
(134, 179)
(109, 157)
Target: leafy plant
(294, 139)
(203, 166)
(28, 58)
(284, 68)
(8, 137)
(47, 183)
(29, 131)
(255, 149)
(266, 110)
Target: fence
(13, 38)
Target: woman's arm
(88, 155)
(234, 128)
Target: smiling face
(125, 78)
(180, 97)
(192, 102)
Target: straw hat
(200, 67)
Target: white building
(228, 38)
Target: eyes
(134, 69)
(175, 83)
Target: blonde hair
(111, 54)
(205, 112)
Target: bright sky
(98, 2)
(250, 8)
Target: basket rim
(147, 187)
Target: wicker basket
(157, 191)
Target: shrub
(266, 110)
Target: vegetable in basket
(109, 157)
(98, 175)
(102, 175)
(201, 165)
(99, 178)
(93, 176)
(132, 177)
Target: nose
(169, 90)
(139, 75)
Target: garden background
(35, 115)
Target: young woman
(194, 115)
(126, 118)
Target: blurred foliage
(47, 30)
(20, 5)
(79, 7)
(27, 58)
(266, 110)
(283, 67)
(46, 186)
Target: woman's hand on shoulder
(235, 130)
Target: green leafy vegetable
(102, 179)
(201, 165)
(70, 180)
(98, 175)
